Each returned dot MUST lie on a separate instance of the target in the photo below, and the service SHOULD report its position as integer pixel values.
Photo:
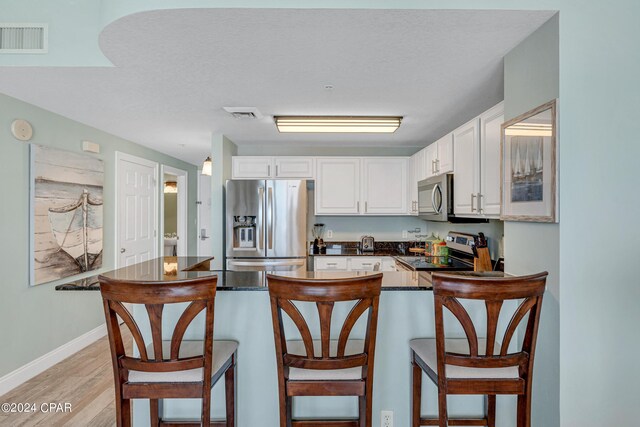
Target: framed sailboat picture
(66, 214)
(528, 164)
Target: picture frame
(528, 166)
(66, 214)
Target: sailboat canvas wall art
(66, 209)
(529, 162)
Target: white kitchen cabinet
(477, 165)
(267, 167)
(251, 167)
(337, 187)
(384, 186)
(466, 142)
(430, 159)
(421, 164)
(294, 167)
(413, 176)
(330, 263)
(438, 157)
(356, 263)
(365, 263)
(490, 137)
(444, 161)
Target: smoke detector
(243, 112)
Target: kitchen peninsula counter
(168, 269)
(405, 312)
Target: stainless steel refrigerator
(266, 225)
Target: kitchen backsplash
(389, 228)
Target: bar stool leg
(154, 410)
(416, 394)
(491, 410)
(206, 409)
(123, 411)
(442, 407)
(230, 394)
(524, 407)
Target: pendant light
(206, 166)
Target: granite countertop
(177, 268)
(353, 249)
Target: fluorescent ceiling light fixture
(206, 166)
(338, 124)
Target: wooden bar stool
(478, 365)
(173, 368)
(325, 367)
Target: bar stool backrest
(365, 290)
(199, 292)
(449, 288)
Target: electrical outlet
(386, 419)
(405, 234)
(329, 234)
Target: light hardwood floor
(85, 380)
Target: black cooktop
(435, 263)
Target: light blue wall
(36, 320)
(531, 78)
(599, 201)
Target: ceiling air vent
(23, 38)
(243, 112)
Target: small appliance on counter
(367, 244)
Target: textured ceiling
(174, 70)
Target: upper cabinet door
(337, 188)
(490, 133)
(414, 172)
(421, 164)
(430, 160)
(294, 167)
(466, 144)
(444, 161)
(384, 186)
(250, 167)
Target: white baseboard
(42, 363)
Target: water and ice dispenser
(244, 232)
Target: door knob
(122, 250)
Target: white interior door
(137, 210)
(205, 245)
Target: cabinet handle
(365, 207)
(472, 197)
(433, 166)
(268, 170)
(437, 165)
(480, 209)
(276, 170)
(358, 206)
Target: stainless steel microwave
(435, 198)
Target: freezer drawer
(266, 264)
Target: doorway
(136, 210)
(173, 211)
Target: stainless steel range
(460, 256)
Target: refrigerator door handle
(299, 261)
(261, 215)
(271, 221)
